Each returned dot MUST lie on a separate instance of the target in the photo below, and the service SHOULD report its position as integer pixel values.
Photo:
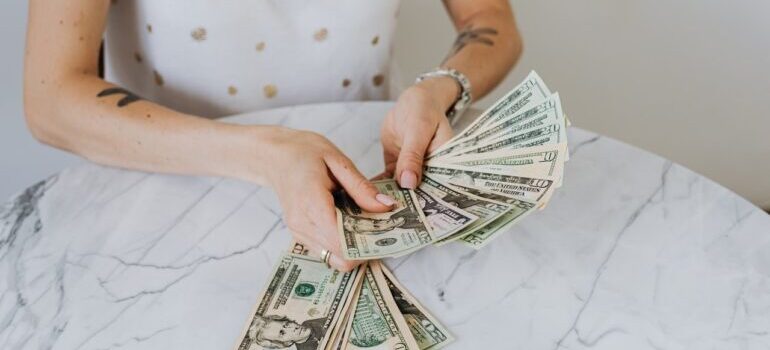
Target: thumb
(356, 185)
(444, 133)
(410, 158)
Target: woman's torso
(214, 58)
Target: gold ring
(325, 254)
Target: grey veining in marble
(634, 252)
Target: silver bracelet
(463, 99)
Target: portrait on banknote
(375, 226)
(279, 332)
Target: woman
(193, 61)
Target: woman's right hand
(304, 168)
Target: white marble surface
(634, 252)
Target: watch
(463, 99)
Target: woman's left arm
(487, 46)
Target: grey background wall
(688, 80)
(22, 160)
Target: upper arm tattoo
(470, 35)
(128, 98)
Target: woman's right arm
(69, 107)
(64, 108)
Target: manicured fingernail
(408, 179)
(385, 199)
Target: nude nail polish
(408, 179)
(385, 199)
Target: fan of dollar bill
(502, 167)
(499, 169)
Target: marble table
(634, 252)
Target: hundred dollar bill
(427, 331)
(528, 93)
(477, 239)
(376, 322)
(546, 113)
(366, 236)
(301, 304)
(520, 187)
(538, 161)
(444, 219)
(485, 209)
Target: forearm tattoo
(127, 99)
(472, 35)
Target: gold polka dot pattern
(198, 34)
(321, 34)
(350, 79)
(270, 90)
(378, 79)
(158, 78)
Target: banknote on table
(520, 187)
(375, 321)
(366, 236)
(444, 218)
(485, 209)
(424, 327)
(339, 334)
(429, 333)
(302, 303)
(299, 248)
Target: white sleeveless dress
(214, 58)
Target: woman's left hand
(416, 126)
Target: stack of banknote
(307, 305)
(499, 169)
(502, 167)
